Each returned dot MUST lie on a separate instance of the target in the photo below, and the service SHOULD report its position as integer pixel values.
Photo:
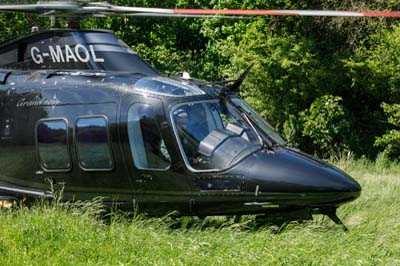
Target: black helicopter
(80, 109)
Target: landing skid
(331, 213)
(282, 217)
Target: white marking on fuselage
(66, 54)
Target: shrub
(326, 125)
(391, 140)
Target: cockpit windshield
(213, 135)
(265, 128)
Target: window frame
(68, 145)
(162, 138)
(176, 135)
(75, 140)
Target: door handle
(144, 178)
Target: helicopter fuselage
(118, 135)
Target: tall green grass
(77, 234)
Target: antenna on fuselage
(236, 86)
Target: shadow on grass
(98, 212)
(246, 223)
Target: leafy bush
(326, 125)
(297, 60)
(391, 140)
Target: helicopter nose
(299, 177)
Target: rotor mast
(73, 23)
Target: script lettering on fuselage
(24, 102)
(57, 54)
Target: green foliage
(374, 70)
(326, 125)
(391, 140)
(292, 130)
(281, 82)
(298, 60)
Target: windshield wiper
(263, 140)
(260, 139)
(266, 138)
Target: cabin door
(17, 151)
(85, 160)
(149, 153)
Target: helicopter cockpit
(214, 135)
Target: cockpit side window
(211, 135)
(147, 145)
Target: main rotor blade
(42, 7)
(186, 16)
(84, 8)
(311, 13)
(240, 12)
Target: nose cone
(291, 173)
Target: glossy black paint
(276, 178)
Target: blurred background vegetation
(330, 85)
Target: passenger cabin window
(92, 144)
(146, 143)
(52, 145)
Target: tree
(390, 141)
(305, 67)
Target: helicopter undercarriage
(277, 209)
(281, 217)
(266, 213)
